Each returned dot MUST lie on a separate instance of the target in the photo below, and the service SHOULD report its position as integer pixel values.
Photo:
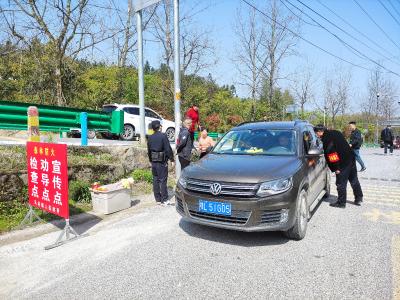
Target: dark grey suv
(261, 176)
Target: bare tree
(125, 40)
(197, 50)
(264, 41)
(303, 87)
(280, 42)
(67, 27)
(251, 54)
(385, 105)
(336, 93)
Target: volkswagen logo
(215, 189)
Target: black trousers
(160, 176)
(184, 162)
(349, 173)
(390, 144)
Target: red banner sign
(48, 177)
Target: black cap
(353, 122)
(155, 124)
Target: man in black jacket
(387, 137)
(184, 144)
(355, 143)
(159, 152)
(341, 161)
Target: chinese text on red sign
(48, 177)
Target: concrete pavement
(153, 254)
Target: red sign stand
(48, 183)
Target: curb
(38, 229)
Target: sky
(219, 19)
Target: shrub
(142, 175)
(213, 122)
(79, 191)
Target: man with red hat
(193, 113)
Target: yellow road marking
(375, 215)
(396, 267)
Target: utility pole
(142, 125)
(377, 120)
(139, 5)
(177, 82)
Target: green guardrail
(13, 116)
(213, 135)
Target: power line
(342, 41)
(377, 25)
(344, 31)
(358, 31)
(394, 7)
(389, 12)
(304, 39)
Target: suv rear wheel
(298, 231)
(129, 132)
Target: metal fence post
(84, 127)
(177, 82)
(141, 77)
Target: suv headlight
(182, 181)
(275, 187)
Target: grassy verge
(12, 213)
(144, 182)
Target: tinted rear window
(109, 108)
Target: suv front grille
(227, 189)
(179, 205)
(270, 216)
(237, 217)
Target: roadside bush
(79, 191)
(142, 175)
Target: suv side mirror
(315, 151)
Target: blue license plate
(216, 208)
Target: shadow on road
(238, 238)
(81, 225)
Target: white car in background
(132, 119)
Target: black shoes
(358, 202)
(337, 204)
(363, 169)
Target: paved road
(347, 254)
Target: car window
(307, 141)
(257, 142)
(310, 139)
(152, 114)
(131, 110)
(109, 108)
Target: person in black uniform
(184, 144)
(341, 161)
(387, 137)
(355, 143)
(159, 152)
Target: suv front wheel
(298, 231)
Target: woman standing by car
(204, 142)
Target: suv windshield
(258, 142)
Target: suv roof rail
(298, 121)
